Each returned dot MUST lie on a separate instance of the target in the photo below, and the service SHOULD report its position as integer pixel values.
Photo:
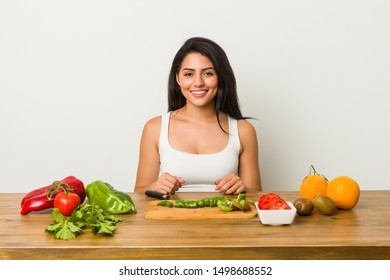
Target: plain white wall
(78, 80)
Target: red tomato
(278, 204)
(66, 203)
(265, 199)
(272, 201)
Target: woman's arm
(248, 169)
(149, 163)
(149, 160)
(248, 177)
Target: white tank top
(200, 171)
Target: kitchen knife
(157, 195)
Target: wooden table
(360, 233)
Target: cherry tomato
(66, 202)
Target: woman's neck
(198, 113)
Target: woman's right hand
(167, 184)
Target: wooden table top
(360, 233)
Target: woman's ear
(177, 79)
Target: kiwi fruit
(304, 206)
(324, 204)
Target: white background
(78, 80)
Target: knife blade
(157, 195)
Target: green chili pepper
(190, 204)
(200, 203)
(223, 202)
(166, 203)
(213, 202)
(206, 202)
(241, 197)
(224, 205)
(179, 204)
(235, 205)
(109, 199)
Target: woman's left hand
(230, 184)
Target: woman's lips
(199, 93)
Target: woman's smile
(199, 93)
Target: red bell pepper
(43, 198)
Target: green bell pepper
(109, 199)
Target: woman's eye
(187, 74)
(208, 73)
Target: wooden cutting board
(155, 212)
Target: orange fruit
(313, 184)
(344, 191)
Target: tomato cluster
(272, 201)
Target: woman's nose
(198, 82)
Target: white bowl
(277, 217)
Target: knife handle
(156, 194)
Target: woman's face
(197, 79)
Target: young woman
(203, 143)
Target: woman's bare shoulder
(153, 126)
(154, 122)
(245, 128)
